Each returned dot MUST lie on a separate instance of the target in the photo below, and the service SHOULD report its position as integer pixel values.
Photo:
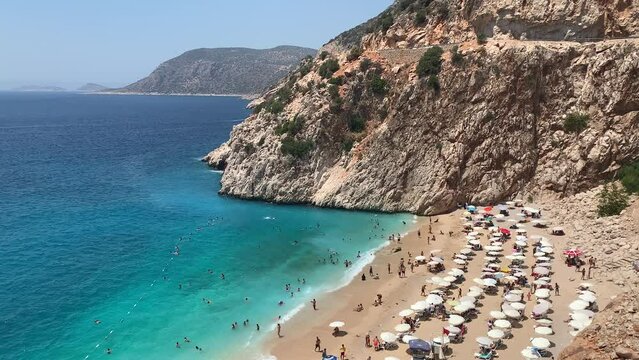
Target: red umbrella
(573, 252)
(504, 231)
(488, 208)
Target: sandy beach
(299, 333)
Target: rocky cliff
(221, 71)
(518, 97)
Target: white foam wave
(289, 315)
(268, 218)
(217, 171)
(357, 267)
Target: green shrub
(386, 21)
(433, 83)
(377, 85)
(404, 4)
(420, 18)
(336, 105)
(333, 92)
(323, 55)
(274, 106)
(482, 39)
(629, 177)
(455, 56)
(296, 148)
(365, 64)
(305, 68)
(347, 144)
(356, 123)
(284, 94)
(576, 122)
(431, 62)
(354, 54)
(612, 200)
(249, 148)
(328, 68)
(336, 80)
(291, 127)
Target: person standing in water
(279, 330)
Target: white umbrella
(433, 263)
(474, 242)
(512, 313)
(484, 341)
(442, 340)
(465, 251)
(459, 261)
(579, 316)
(478, 281)
(541, 271)
(512, 297)
(528, 353)
(453, 329)
(405, 313)
(544, 264)
(547, 249)
(516, 291)
(585, 285)
(419, 306)
(420, 258)
(443, 284)
(588, 297)
(543, 259)
(497, 315)
(496, 334)
(542, 293)
(578, 305)
(402, 328)
(463, 307)
(336, 324)
(461, 256)
(518, 305)
(407, 338)
(521, 243)
(502, 324)
(450, 278)
(494, 248)
(456, 320)
(540, 282)
(474, 233)
(475, 289)
(588, 313)
(474, 294)
(584, 292)
(391, 358)
(545, 303)
(579, 325)
(436, 279)
(494, 253)
(434, 299)
(388, 337)
(435, 251)
(540, 309)
(437, 260)
(467, 299)
(490, 282)
(490, 258)
(544, 321)
(456, 272)
(543, 330)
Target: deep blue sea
(107, 214)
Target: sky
(115, 42)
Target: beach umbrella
(420, 258)
(470, 237)
(467, 299)
(588, 313)
(541, 270)
(490, 282)
(512, 297)
(578, 305)
(435, 251)
(460, 256)
(474, 242)
(579, 316)
(436, 279)
(463, 307)
(465, 251)
(475, 289)
(336, 324)
(539, 254)
(511, 313)
(573, 252)
(543, 259)
(496, 334)
(419, 306)
(443, 284)
(493, 248)
(333, 357)
(456, 272)
(442, 340)
(490, 258)
(521, 243)
(540, 309)
(402, 328)
(456, 320)
(407, 338)
(459, 262)
(388, 357)
(530, 353)
(516, 291)
(497, 315)
(521, 231)
(452, 329)
(484, 341)
(586, 285)
(511, 278)
(502, 324)
(543, 330)
(494, 253)
(388, 337)
(437, 259)
(544, 264)
(434, 299)
(406, 313)
(547, 249)
(504, 231)
(518, 306)
(547, 322)
(478, 281)
(493, 266)
(474, 294)
(579, 325)
(474, 233)
(584, 292)
(540, 282)
(450, 279)
(544, 302)
(419, 344)
(588, 297)
(542, 293)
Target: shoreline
(298, 333)
(243, 96)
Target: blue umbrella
(419, 344)
(330, 357)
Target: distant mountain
(221, 71)
(92, 87)
(39, 88)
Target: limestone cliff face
(493, 127)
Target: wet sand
(298, 334)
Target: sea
(113, 237)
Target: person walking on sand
(389, 267)
(342, 352)
(556, 289)
(314, 302)
(279, 330)
(318, 343)
(583, 273)
(367, 340)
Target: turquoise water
(97, 192)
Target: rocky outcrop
(492, 127)
(612, 335)
(236, 71)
